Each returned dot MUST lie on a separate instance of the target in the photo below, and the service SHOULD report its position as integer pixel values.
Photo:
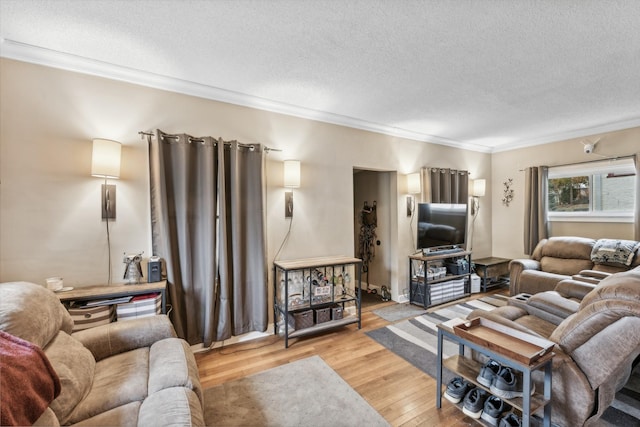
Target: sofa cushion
(567, 247)
(121, 416)
(564, 266)
(171, 364)
(75, 367)
(18, 316)
(118, 380)
(176, 406)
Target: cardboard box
(140, 306)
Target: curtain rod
(629, 156)
(191, 139)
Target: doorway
(371, 192)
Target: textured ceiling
(482, 74)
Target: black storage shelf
(430, 291)
(316, 284)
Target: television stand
(439, 277)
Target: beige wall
(507, 222)
(50, 205)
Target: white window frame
(617, 166)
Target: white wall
(50, 205)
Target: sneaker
(493, 408)
(507, 385)
(474, 402)
(488, 373)
(456, 389)
(510, 420)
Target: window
(594, 191)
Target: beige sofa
(134, 373)
(595, 347)
(559, 258)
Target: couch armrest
(119, 337)
(591, 276)
(570, 288)
(516, 267)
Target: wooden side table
(92, 293)
(469, 368)
(492, 268)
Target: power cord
(107, 207)
(286, 237)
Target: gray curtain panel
(444, 185)
(213, 261)
(536, 226)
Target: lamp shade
(413, 183)
(479, 187)
(105, 160)
(292, 173)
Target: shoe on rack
(510, 420)
(474, 402)
(488, 372)
(508, 385)
(456, 389)
(494, 407)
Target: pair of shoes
(510, 420)
(501, 380)
(474, 402)
(488, 373)
(457, 389)
(508, 385)
(493, 408)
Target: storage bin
(337, 312)
(140, 306)
(456, 268)
(301, 319)
(89, 317)
(322, 314)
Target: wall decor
(508, 192)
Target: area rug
(305, 392)
(395, 312)
(416, 341)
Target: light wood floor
(401, 393)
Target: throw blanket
(614, 251)
(29, 383)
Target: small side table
(492, 268)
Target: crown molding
(51, 58)
(572, 134)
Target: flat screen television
(441, 224)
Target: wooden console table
(92, 293)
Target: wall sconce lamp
(105, 163)
(291, 180)
(478, 190)
(413, 187)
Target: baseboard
(234, 340)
